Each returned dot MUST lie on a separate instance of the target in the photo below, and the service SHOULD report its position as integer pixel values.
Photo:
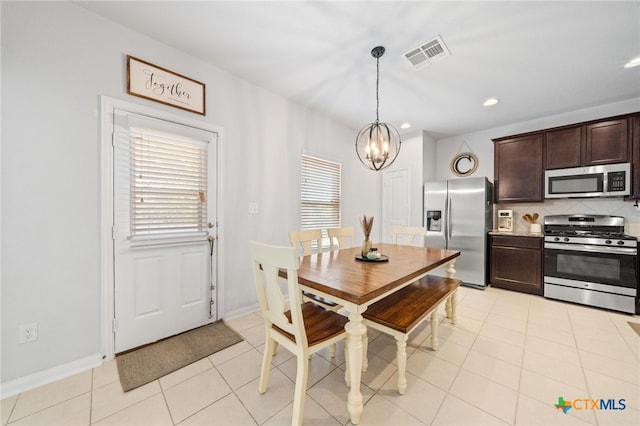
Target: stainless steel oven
(589, 260)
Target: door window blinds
(168, 184)
(320, 195)
(162, 183)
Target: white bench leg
(401, 357)
(434, 329)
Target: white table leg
(365, 348)
(450, 270)
(453, 301)
(355, 330)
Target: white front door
(396, 206)
(164, 209)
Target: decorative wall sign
(151, 82)
(464, 164)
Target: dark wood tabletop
(339, 274)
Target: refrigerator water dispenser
(433, 220)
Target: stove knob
(566, 240)
(556, 239)
(620, 243)
(608, 242)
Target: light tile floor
(506, 361)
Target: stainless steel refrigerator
(458, 215)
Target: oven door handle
(591, 249)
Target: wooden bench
(401, 312)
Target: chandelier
(378, 144)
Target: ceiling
(539, 58)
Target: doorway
(396, 203)
(163, 203)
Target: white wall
(481, 144)
(57, 59)
(429, 157)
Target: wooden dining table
(356, 284)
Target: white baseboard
(240, 312)
(32, 381)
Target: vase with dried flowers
(366, 224)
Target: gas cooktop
(587, 229)
(591, 234)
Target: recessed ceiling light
(405, 126)
(633, 63)
(491, 102)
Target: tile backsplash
(607, 206)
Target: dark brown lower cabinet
(516, 263)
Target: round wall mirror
(464, 164)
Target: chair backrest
(409, 235)
(268, 261)
(343, 236)
(304, 239)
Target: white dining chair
(304, 240)
(302, 328)
(342, 236)
(409, 235)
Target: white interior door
(396, 205)
(164, 265)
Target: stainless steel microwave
(609, 180)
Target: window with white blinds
(320, 195)
(168, 190)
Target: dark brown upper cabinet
(564, 148)
(593, 144)
(518, 169)
(607, 142)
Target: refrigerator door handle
(448, 228)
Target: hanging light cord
(377, 84)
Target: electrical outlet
(253, 207)
(28, 333)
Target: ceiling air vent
(427, 53)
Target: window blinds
(320, 194)
(168, 191)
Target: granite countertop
(516, 234)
